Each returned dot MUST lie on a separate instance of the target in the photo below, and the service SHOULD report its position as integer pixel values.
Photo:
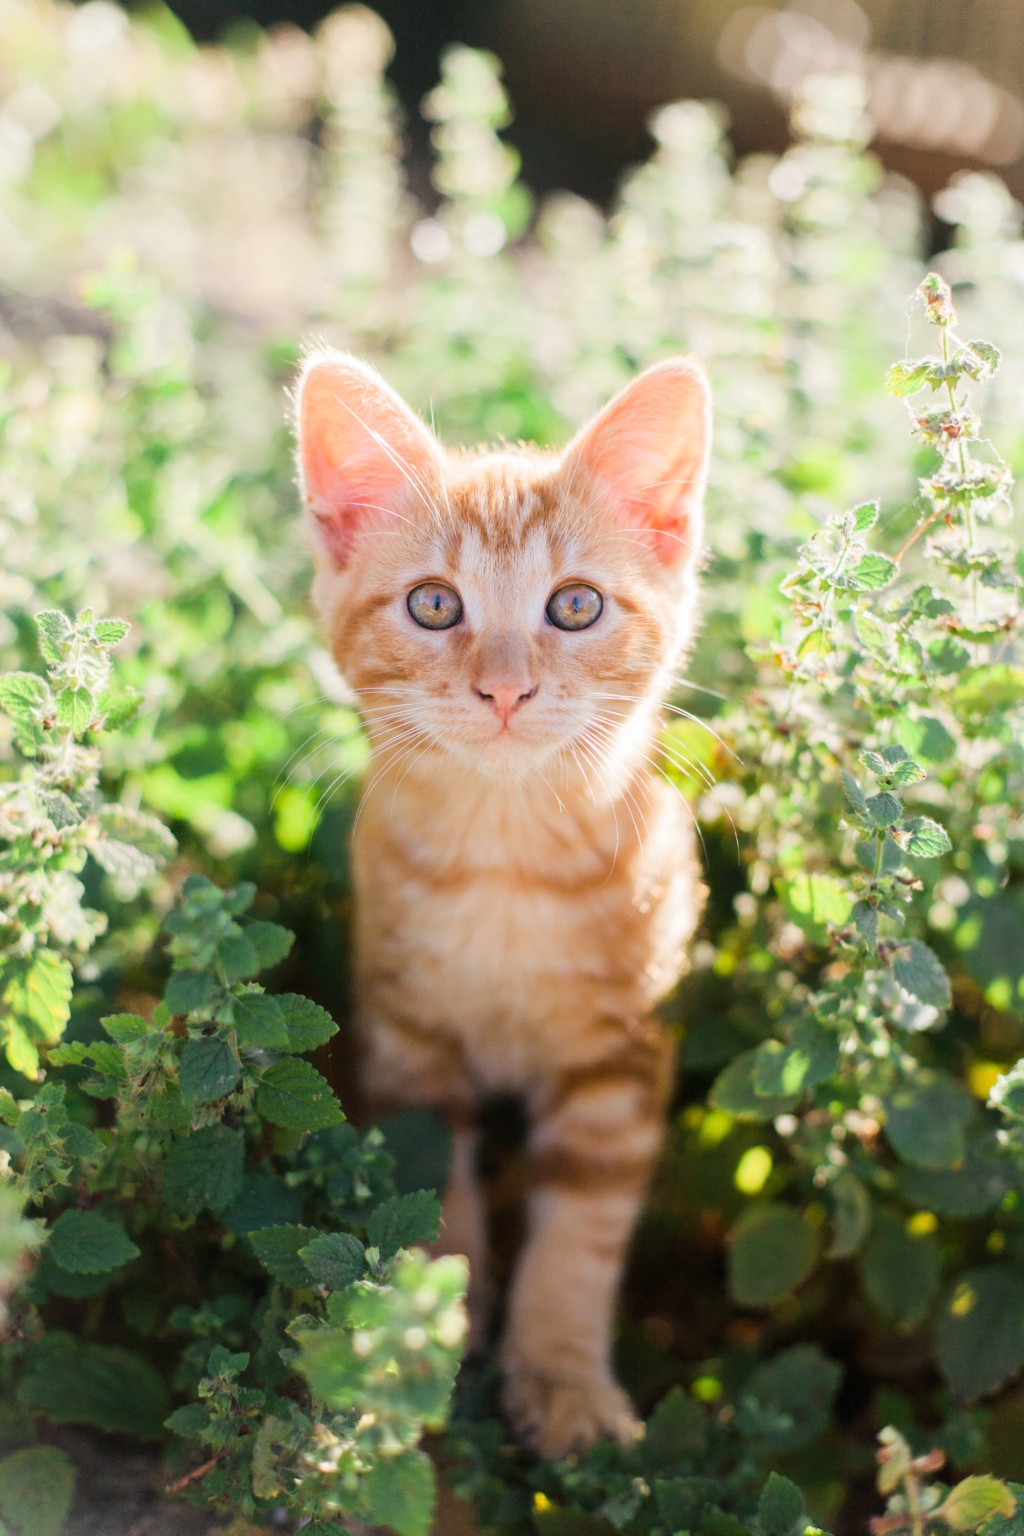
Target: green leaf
(204, 1169)
(975, 1501)
(925, 737)
(402, 1492)
(308, 1024)
(902, 774)
(75, 709)
(981, 1332)
(133, 844)
(677, 1435)
(884, 809)
(786, 1401)
(86, 1243)
(54, 630)
(781, 1507)
(37, 1485)
(35, 1003)
(735, 1091)
(865, 516)
(854, 794)
(264, 1201)
(278, 1250)
(815, 901)
(208, 1070)
(947, 655)
(420, 1141)
(851, 1213)
(72, 1382)
(187, 991)
(682, 1500)
(271, 942)
(123, 1028)
(908, 377)
(978, 359)
(899, 1272)
(191, 1420)
(24, 696)
(335, 1259)
(771, 1251)
(865, 918)
(979, 1186)
(260, 1022)
(872, 572)
(921, 973)
(238, 957)
(927, 839)
(809, 1057)
(403, 1221)
(292, 1093)
(118, 709)
(926, 1118)
(110, 631)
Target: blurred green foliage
(835, 1243)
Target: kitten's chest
(514, 928)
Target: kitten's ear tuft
(364, 457)
(648, 450)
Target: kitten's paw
(556, 1417)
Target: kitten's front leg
(593, 1145)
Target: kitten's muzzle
(505, 698)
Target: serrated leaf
(906, 378)
(72, 1382)
(75, 709)
(926, 1119)
(865, 516)
(308, 1024)
(884, 809)
(110, 631)
(785, 1401)
(975, 1501)
(37, 1485)
(85, 1243)
(278, 1248)
(921, 973)
(133, 843)
(872, 572)
(78, 1141)
(402, 1491)
(926, 738)
(204, 1169)
(35, 1004)
(264, 1201)
(781, 1507)
(209, 1070)
(404, 1221)
(815, 901)
(947, 655)
(24, 696)
(334, 1259)
(985, 1179)
(734, 1090)
(238, 958)
(854, 794)
(865, 919)
(102, 1056)
(125, 1027)
(771, 1251)
(188, 991)
(260, 1022)
(981, 1332)
(927, 839)
(899, 1271)
(118, 709)
(292, 1093)
(978, 359)
(271, 942)
(191, 1420)
(54, 629)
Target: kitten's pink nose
(505, 698)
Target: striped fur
(525, 887)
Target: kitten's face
(509, 609)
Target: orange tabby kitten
(510, 622)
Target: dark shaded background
(584, 74)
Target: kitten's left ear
(648, 450)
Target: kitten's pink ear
(364, 457)
(649, 450)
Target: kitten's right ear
(363, 454)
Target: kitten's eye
(434, 605)
(576, 606)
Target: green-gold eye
(435, 606)
(575, 606)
